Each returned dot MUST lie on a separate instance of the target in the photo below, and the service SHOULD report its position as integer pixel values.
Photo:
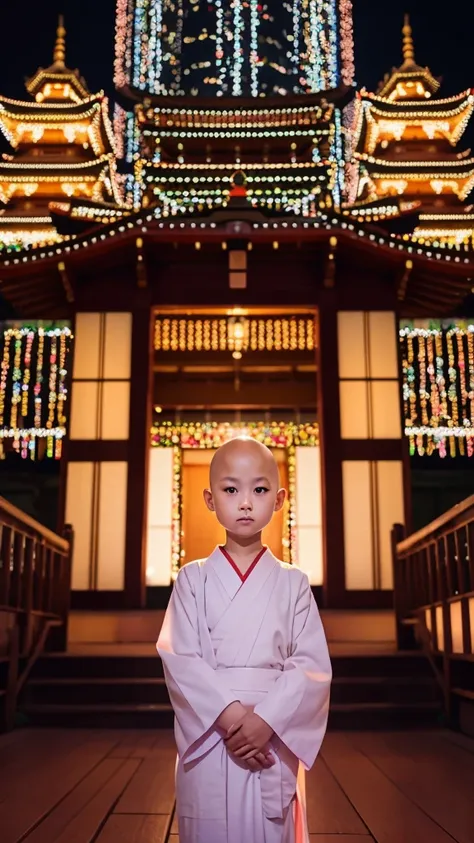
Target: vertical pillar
(139, 451)
(329, 425)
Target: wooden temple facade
(236, 287)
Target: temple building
(60, 155)
(406, 140)
(231, 289)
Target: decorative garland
(438, 391)
(33, 394)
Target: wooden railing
(35, 581)
(434, 598)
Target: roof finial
(408, 45)
(60, 46)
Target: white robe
(260, 642)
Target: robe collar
(232, 580)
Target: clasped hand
(248, 740)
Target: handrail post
(400, 597)
(58, 637)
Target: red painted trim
(242, 576)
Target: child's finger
(247, 750)
(232, 731)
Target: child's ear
(280, 499)
(208, 500)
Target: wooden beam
(207, 394)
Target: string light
(299, 52)
(28, 365)
(439, 418)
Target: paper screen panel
(386, 423)
(354, 410)
(115, 421)
(112, 515)
(358, 528)
(351, 344)
(87, 336)
(84, 410)
(80, 479)
(390, 511)
(118, 346)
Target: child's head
(244, 491)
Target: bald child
(247, 668)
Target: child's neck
(243, 551)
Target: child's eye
(261, 489)
(230, 490)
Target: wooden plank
(66, 760)
(137, 743)
(25, 758)
(341, 838)
(388, 813)
(79, 816)
(462, 741)
(426, 768)
(151, 790)
(134, 828)
(329, 809)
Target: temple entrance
(217, 375)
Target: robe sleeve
(297, 706)
(197, 692)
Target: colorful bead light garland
(440, 417)
(212, 435)
(150, 35)
(19, 404)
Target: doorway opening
(220, 374)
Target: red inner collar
(242, 576)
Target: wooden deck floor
(79, 786)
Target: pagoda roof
(393, 213)
(411, 109)
(58, 74)
(340, 95)
(17, 118)
(51, 111)
(410, 74)
(79, 215)
(445, 169)
(242, 117)
(429, 280)
(27, 171)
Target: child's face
(244, 488)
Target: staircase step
(384, 689)
(385, 716)
(368, 692)
(375, 716)
(96, 691)
(115, 716)
(66, 665)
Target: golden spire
(59, 57)
(408, 45)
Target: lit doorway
(223, 374)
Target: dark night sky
(443, 39)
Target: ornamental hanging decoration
(33, 389)
(438, 388)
